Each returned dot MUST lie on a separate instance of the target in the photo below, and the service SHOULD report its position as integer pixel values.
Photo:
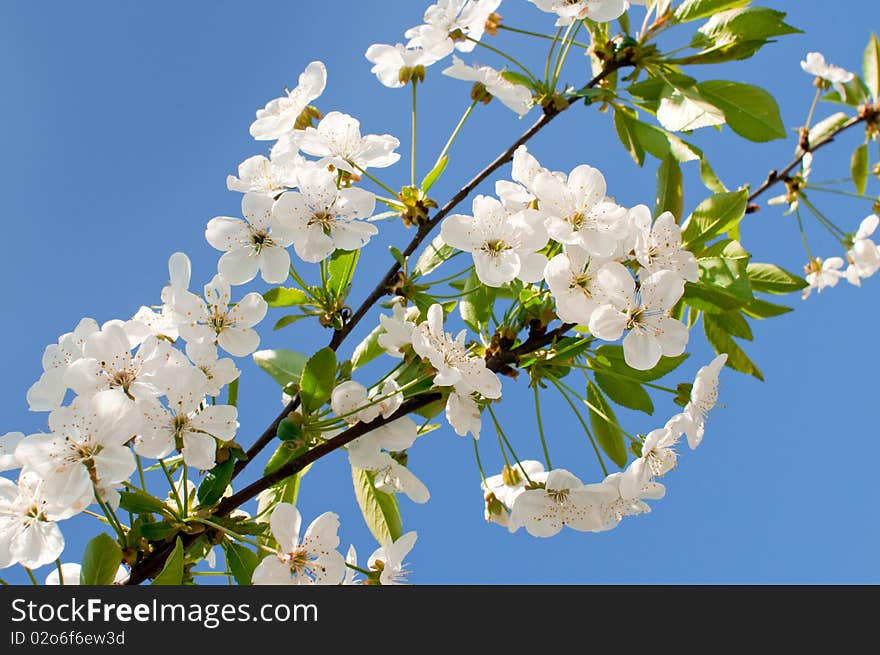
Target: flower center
(559, 496)
(323, 218)
(260, 239)
(577, 220)
(298, 560)
(495, 246)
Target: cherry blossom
(658, 246)
(388, 559)
(450, 25)
(569, 11)
(47, 393)
(280, 115)
(338, 142)
(513, 96)
(397, 65)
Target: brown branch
(779, 176)
(153, 563)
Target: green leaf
(157, 531)
(284, 297)
(871, 67)
(214, 485)
(623, 123)
(670, 189)
(138, 502)
(743, 24)
(716, 215)
(518, 78)
(720, 53)
(368, 349)
(734, 324)
(727, 277)
(434, 254)
(662, 144)
(750, 111)
(241, 562)
(760, 308)
(286, 452)
(721, 342)
(380, 510)
(100, 561)
(476, 302)
(341, 267)
(694, 9)
(685, 110)
(653, 88)
(605, 428)
(625, 393)
(435, 173)
(284, 321)
(172, 572)
(285, 366)
(612, 357)
(318, 377)
(855, 93)
(769, 278)
(821, 130)
(859, 168)
(288, 430)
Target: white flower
(704, 396)
(600, 11)
(47, 393)
(351, 560)
(217, 322)
(514, 96)
(394, 64)
(321, 218)
(8, 443)
(279, 116)
(257, 244)
(314, 560)
(338, 141)
(504, 247)
(268, 177)
(398, 328)
(449, 357)
(627, 492)
(448, 22)
(864, 255)
(564, 500)
(815, 64)
(658, 246)
(108, 363)
(822, 273)
(577, 212)
(189, 424)
(519, 194)
(658, 450)
(463, 414)
(29, 534)
(644, 313)
(395, 478)
(165, 323)
(85, 453)
(511, 482)
(388, 560)
(573, 280)
(218, 372)
(72, 572)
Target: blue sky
(120, 121)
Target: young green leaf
(434, 254)
(859, 168)
(214, 485)
(769, 278)
(721, 342)
(172, 572)
(760, 308)
(605, 427)
(685, 110)
(241, 561)
(821, 130)
(368, 349)
(625, 393)
(380, 510)
(871, 67)
(716, 215)
(285, 366)
(750, 111)
(694, 9)
(284, 297)
(670, 189)
(476, 303)
(140, 502)
(734, 324)
(317, 379)
(626, 132)
(743, 24)
(612, 357)
(284, 321)
(100, 561)
(341, 267)
(435, 173)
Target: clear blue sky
(120, 121)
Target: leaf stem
(454, 135)
(541, 427)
